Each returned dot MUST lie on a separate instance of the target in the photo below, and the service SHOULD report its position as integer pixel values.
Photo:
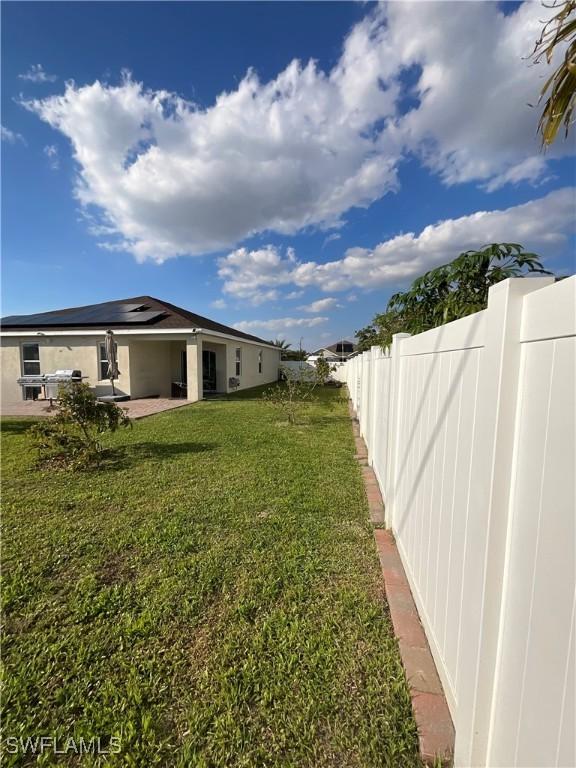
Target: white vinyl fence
(470, 430)
(304, 369)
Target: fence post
(369, 402)
(355, 375)
(364, 394)
(393, 424)
(371, 427)
(489, 510)
(359, 389)
(350, 379)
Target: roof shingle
(158, 314)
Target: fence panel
(534, 714)
(438, 371)
(470, 429)
(381, 427)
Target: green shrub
(323, 370)
(70, 437)
(294, 393)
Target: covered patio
(177, 367)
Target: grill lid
(68, 373)
(61, 376)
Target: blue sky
(291, 201)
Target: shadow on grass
(16, 426)
(252, 393)
(327, 396)
(321, 422)
(126, 456)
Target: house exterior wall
(320, 353)
(77, 352)
(176, 349)
(249, 376)
(329, 356)
(11, 367)
(148, 366)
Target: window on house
(238, 361)
(260, 361)
(103, 360)
(30, 360)
(30, 367)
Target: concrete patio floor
(136, 409)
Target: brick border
(435, 728)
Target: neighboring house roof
(343, 347)
(137, 312)
(319, 352)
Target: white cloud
(542, 225)
(279, 325)
(11, 136)
(294, 295)
(321, 305)
(255, 275)
(219, 304)
(331, 238)
(51, 152)
(474, 121)
(300, 150)
(36, 74)
(532, 169)
(173, 178)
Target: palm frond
(561, 86)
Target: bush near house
(72, 437)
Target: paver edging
(435, 727)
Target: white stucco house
(335, 353)
(162, 351)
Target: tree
(561, 86)
(380, 331)
(451, 291)
(295, 354)
(292, 394)
(71, 436)
(287, 353)
(281, 343)
(323, 369)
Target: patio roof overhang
(139, 332)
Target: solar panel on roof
(133, 314)
(132, 307)
(21, 319)
(135, 317)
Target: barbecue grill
(49, 382)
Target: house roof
(337, 347)
(137, 312)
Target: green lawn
(213, 598)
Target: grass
(213, 599)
